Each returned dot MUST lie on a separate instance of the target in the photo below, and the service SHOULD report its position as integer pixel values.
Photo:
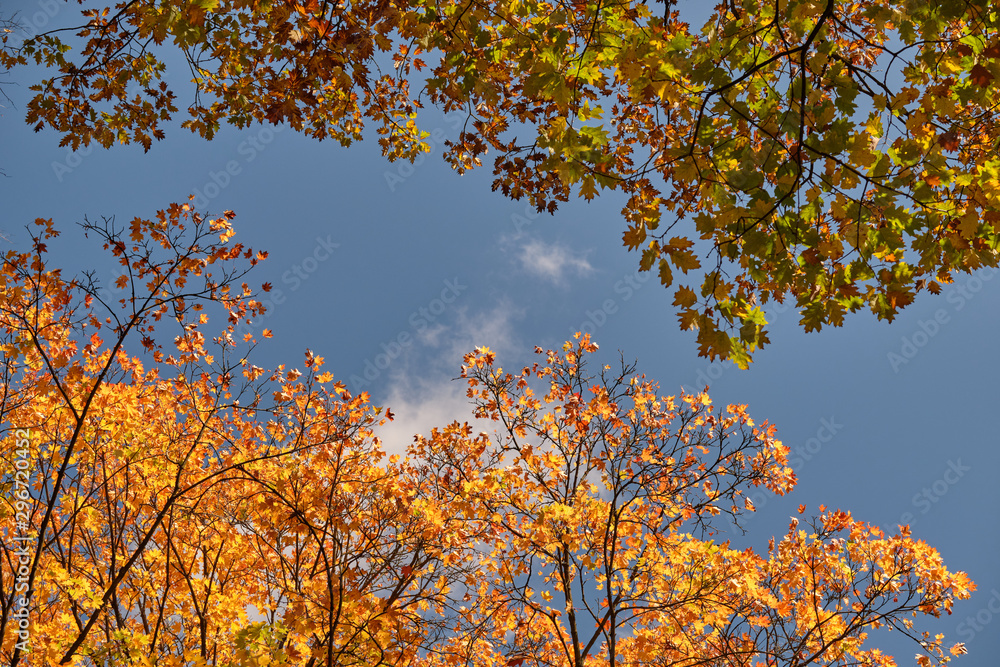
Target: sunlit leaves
(188, 520)
(168, 496)
(586, 498)
(797, 140)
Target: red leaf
(949, 141)
(980, 76)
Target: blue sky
(393, 271)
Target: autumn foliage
(191, 508)
(836, 154)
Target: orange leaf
(685, 296)
(634, 237)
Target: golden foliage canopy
(189, 508)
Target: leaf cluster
(837, 154)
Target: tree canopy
(838, 154)
(195, 509)
(172, 503)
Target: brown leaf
(980, 76)
(949, 140)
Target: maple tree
(589, 493)
(191, 508)
(169, 495)
(839, 154)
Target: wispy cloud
(422, 393)
(418, 410)
(552, 261)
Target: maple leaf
(689, 318)
(684, 259)
(685, 297)
(286, 501)
(666, 275)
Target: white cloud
(433, 404)
(423, 395)
(552, 261)
(429, 335)
(493, 329)
(421, 392)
